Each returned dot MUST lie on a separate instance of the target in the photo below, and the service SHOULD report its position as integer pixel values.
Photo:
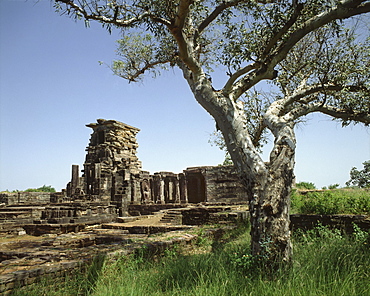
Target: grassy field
(325, 263)
(335, 201)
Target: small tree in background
(333, 186)
(41, 189)
(305, 185)
(360, 178)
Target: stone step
(146, 229)
(172, 217)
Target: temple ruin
(112, 172)
(112, 184)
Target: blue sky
(51, 85)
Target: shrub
(305, 185)
(41, 189)
(338, 201)
(333, 186)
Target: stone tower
(111, 161)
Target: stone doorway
(196, 187)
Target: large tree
(250, 41)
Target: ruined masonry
(112, 172)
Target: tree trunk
(268, 185)
(270, 204)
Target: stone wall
(25, 198)
(214, 184)
(56, 218)
(343, 222)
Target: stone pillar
(145, 192)
(177, 190)
(169, 190)
(156, 188)
(183, 189)
(161, 191)
(135, 190)
(75, 177)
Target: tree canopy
(360, 178)
(318, 65)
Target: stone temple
(112, 172)
(112, 183)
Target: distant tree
(333, 186)
(290, 42)
(41, 189)
(305, 185)
(31, 190)
(360, 178)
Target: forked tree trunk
(268, 185)
(270, 204)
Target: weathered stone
(113, 172)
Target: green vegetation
(325, 263)
(41, 189)
(335, 201)
(360, 178)
(305, 185)
(333, 186)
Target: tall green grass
(328, 202)
(325, 263)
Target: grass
(325, 263)
(336, 201)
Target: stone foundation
(342, 222)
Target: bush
(305, 185)
(41, 189)
(333, 186)
(338, 201)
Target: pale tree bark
(268, 184)
(270, 206)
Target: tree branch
(114, 19)
(215, 13)
(133, 77)
(344, 114)
(273, 41)
(319, 88)
(185, 46)
(344, 10)
(262, 72)
(229, 83)
(182, 14)
(256, 136)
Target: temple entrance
(196, 187)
